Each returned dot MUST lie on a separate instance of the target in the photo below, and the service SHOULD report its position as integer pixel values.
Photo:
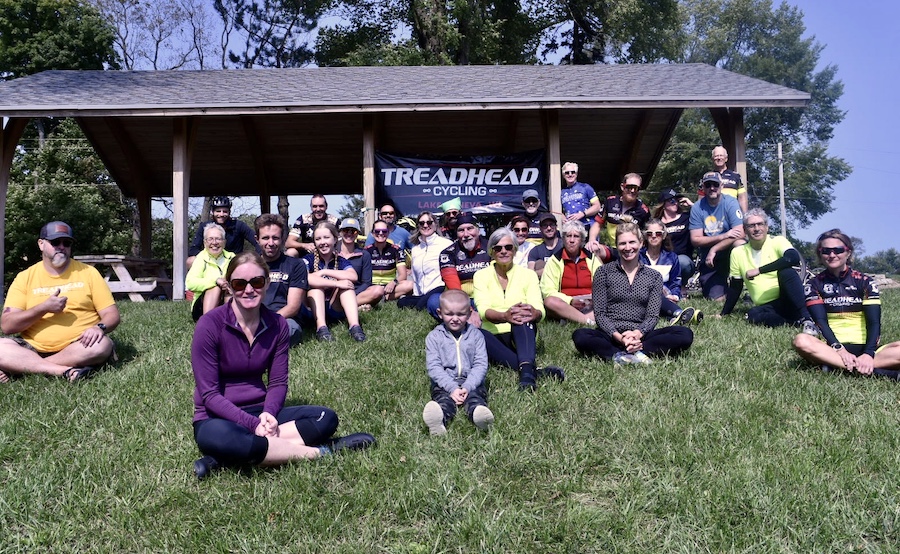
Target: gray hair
(498, 235)
(574, 225)
(214, 227)
(756, 212)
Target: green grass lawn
(736, 446)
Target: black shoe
(357, 334)
(323, 334)
(204, 466)
(353, 441)
(553, 371)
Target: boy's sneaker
(324, 335)
(682, 317)
(357, 334)
(623, 358)
(482, 417)
(641, 358)
(809, 327)
(433, 416)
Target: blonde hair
(334, 233)
(629, 225)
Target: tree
(883, 261)
(354, 206)
(274, 33)
(164, 34)
(754, 38)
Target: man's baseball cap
(350, 223)
(56, 230)
(530, 193)
(547, 216)
(668, 194)
(711, 177)
(466, 217)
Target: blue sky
(862, 40)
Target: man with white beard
(62, 311)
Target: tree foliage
(354, 206)
(754, 38)
(37, 35)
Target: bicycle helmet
(220, 202)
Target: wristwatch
(837, 345)
(102, 327)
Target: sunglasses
(548, 223)
(532, 201)
(380, 232)
(501, 247)
(632, 188)
(836, 250)
(654, 233)
(452, 213)
(521, 229)
(349, 230)
(426, 222)
(672, 200)
(570, 173)
(65, 242)
(388, 213)
(241, 284)
(711, 185)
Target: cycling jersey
(458, 266)
(844, 298)
(384, 263)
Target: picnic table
(132, 275)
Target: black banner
(484, 184)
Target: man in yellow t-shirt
(767, 265)
(62, 310)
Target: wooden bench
(135, 276)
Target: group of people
(614, 270)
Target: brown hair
(834, 234)
(247, 257)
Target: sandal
(74, 374)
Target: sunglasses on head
(426, 222)
(835, 250)
(65, 242)
(241, 284)
(501, 247)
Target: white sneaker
(433, 416)
(483, 417)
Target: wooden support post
(554, 162)
(183, 133)
(9, 139)
(369, 168)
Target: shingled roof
(301, 129)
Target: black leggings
(235, 445)
(788, 308)
(671, 340)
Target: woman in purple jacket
(239, 419)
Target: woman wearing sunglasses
(509, 302)
(367, 294)
(423, 262)
(658, 255)
(206, 278)
(846, 306)
(332, 288)
(388, 264)
(674, 210)
(521, 227)
(239, 356)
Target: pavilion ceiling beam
(9, 139)
(256, 143)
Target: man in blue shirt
(716, 227)
(396, 234)
(579, 201)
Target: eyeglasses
(388, 213)
(67, 243)
(570, 173)
(241, 284)
(532, 201)
(836, 250)
(501, 247)
(632, 188)
(757, 224)
(654, 233)
(548, 223)
(426, 222)
(380, 232)
(711, 185)
(214, 239)
(521, 229)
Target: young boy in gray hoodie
(456, 361)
